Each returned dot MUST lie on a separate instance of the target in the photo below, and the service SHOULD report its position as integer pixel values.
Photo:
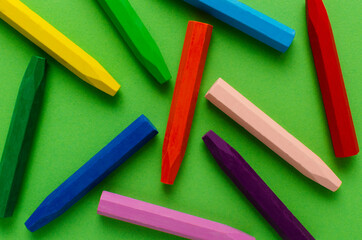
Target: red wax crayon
(331, 80)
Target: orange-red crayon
(184, 99)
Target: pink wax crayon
(166, 220)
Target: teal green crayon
(19, 139)
(137, 37)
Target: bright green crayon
(20, 135)
(137, 37)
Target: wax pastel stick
(245, 113)
(184, 99)
(19, 139)
(255, 189)
(249, 21)
(331, 82)
(165, 220)
(58, 46)
(138, 38)
(93, 172)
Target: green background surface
(77, 120)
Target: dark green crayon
(20, 135)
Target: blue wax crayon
(249, 21)
(93, 172)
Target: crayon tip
(35, 221)
(170, 165)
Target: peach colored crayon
(245, 113)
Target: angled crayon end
(36, 220)
(220, 150)
(102, 80)
(171, 162)
(149, 123)
(329, 180)
(210, 134)
(30, 224)
(160, 72)
(111, 88)
(40, 63)
(210, 138)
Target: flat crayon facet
(165, 220)
(255, 189)
(184, 98)
(93, 172)
(19, 139)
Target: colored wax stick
(331, 80)
(184, 99)
(255, 189)
(249, 21)
(93, 172)
(136, 35)
(20, 135)
(164, 219)
(45, 36)
(245, 113)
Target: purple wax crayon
(255, 189)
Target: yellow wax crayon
(53, 42)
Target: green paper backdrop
(77, 120)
